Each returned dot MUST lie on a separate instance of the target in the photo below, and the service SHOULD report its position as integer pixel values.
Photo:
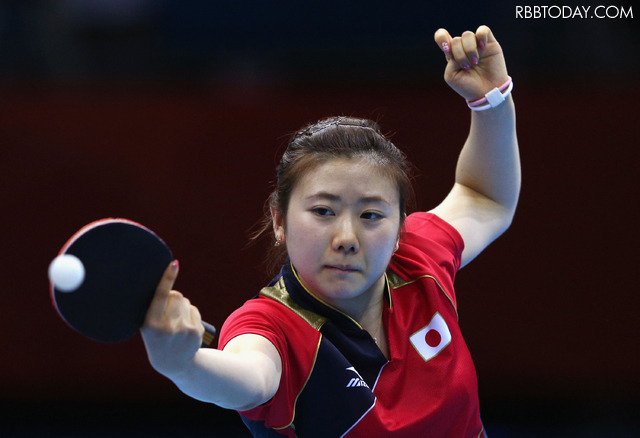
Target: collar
(306, 299)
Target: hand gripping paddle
(105, 277)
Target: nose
(345, 238)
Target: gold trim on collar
(324, 303)
(278, 292)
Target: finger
(458, 54)
(470, 47)
(176, 306)
(484, 36)
(196, 320)
(443, 40)
(163, 291)
(195, 315)
(186, 309)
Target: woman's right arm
(244, 375)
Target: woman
(358, 334)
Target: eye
(322, 211)
(371, 215)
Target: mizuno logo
(356, 381)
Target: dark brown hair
(327, 139)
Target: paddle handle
(209, 333)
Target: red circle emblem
(433, 338)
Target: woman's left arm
(482, 202)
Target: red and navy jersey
(336, 382)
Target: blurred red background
(547, 309)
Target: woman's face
(341, 230)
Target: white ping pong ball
(66, 273)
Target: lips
(343, 268)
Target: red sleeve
(256, 317)
(429, 246)
(296, 342)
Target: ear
(400, 231)
(278, 224)
(397, 245)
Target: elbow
(509, 205)
(506, 222)
(259, 394)
(259, 385)
(506, 216)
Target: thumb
(443, 40)
(161, 296)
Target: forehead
(348, 179)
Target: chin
(343, 292)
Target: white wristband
(493, 98)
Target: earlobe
(278, 225)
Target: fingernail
(466, 66)
(445, 47)
(175, 265)
(482, 45)
(474, 60)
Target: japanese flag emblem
(432, 339)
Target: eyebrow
(334, 197)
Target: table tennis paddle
(119, 265)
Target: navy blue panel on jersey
(335, 397)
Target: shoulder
(275, 316)
(429, 256)
(294, 333)
(423, 227)
(266, 316)
(427, 242)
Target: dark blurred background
(174, 113)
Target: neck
(366, 308)
(370, 317)
(371, 321)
